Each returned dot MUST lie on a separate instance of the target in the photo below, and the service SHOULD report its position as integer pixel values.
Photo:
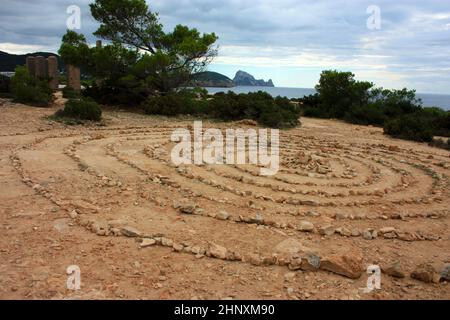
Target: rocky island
(214, 79)
(243, 78)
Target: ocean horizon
(428, 99)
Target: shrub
(413, 126)
(84, 109)
(29, 90)
(5, 83)
(312, 100)
(5, 87)
(259, 106)
(115, 94)
(70, 93)
(368, 114)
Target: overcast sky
(290, 41)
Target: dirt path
(75, 195)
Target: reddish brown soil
(119, 175)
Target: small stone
(289, 247)
(394, 270)
(387, 230)
(406, 236)
(445, 273)
(131, 232)
(100, 228)
(295, 264)
(306, 226)
(289, 276)
(177, 247)
(390, 235)
(217, 251)
(348, 264)
(367, 234)
(327, 230)
(254, 259)
(166, 242)
(73, 214)
(356, 233)
(147, 242)
(223, 215)
(312, 214)
(187, 209)
(310, 262)
(426, 273)
(258, 219)
(344, 232)
(340, 216)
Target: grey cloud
(414, 35)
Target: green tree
(339, 91)
(74, 50)
(29, 90)
(171, 58)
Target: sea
(429, 99)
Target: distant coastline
(212, 79)
(428, 99)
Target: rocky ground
(108, 199)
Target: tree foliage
(399, 112)
(170, 58)
(339, 90)
(30, 90)
(74, 49)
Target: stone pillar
(31, 65)
(73, 77)
(53, 74)
(41, 67)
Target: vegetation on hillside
(210, 79)
(399, 112)
(260, 106)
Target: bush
(29, 90)
(110, 94)
(312, 100)
(5, 84)
(174, 104)
(84, 109)
(5, 87)
(259, 106)
(368, 114)
(413, 126)
(70, 93)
